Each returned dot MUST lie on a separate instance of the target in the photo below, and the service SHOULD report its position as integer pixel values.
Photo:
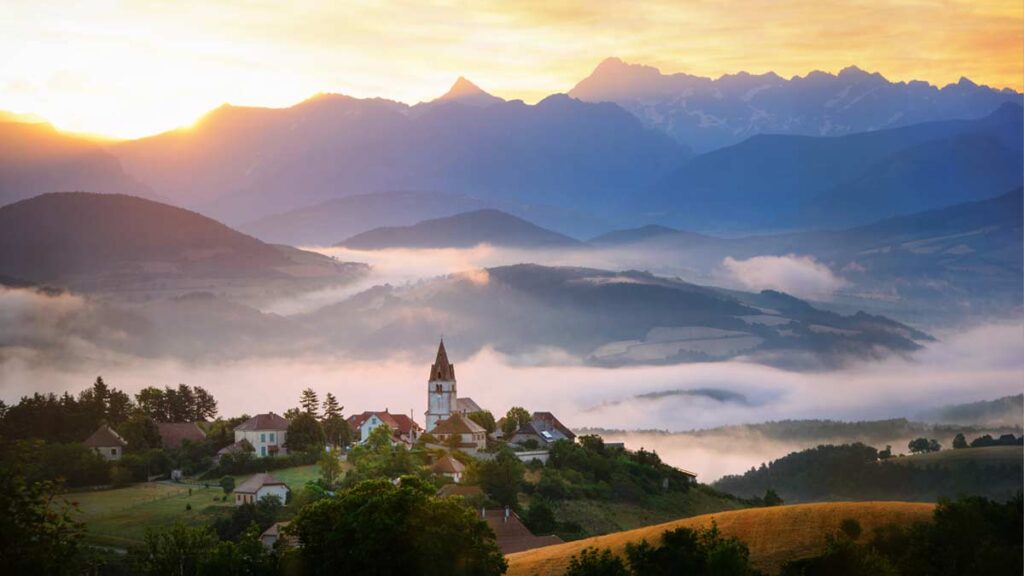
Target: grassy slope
(774, 535)
(599, 517)
(981, 456)
(121, 516)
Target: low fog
(56, 342)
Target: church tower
(441, 395)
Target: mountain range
(36, 158)
(773, 182)
(710, 113)
(241, 164)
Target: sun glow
(134, 68)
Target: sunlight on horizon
(129, 69)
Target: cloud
(801, 276)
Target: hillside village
(457, 432)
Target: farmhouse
(107, 443)
(258, 486)
(172, 434)
(271, 535)
(511, 534)
(267, 433)
(449, 467)
(239, 447)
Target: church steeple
(442, 369)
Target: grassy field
(981, 456)
(774, 535)
(121, 516)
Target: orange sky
(133, 68)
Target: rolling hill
(710, 113)
(492, 227)
(773, 182)
(79, 238)
(774, 535)
(607, 318)
(35, 158)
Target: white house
(403, 428)
(271, 535)
(106, 443)
(267, 433)
(258, 486)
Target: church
(446, 414)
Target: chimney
(506, 513)
(483, 513)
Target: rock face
(707, 114)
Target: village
(456, 433)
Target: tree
(205, 405)
(923, 445)
(39, 534)
(772, 498)
(592, 562)
(885, 454)
(227, 483)
(330, 469)
(141, 433)
(305, 433)
(502, 477)
(686, 551)
(309, 402)
(179, 550)
(959, 442)
(540, 519)
(331, 406)
(152, 403)
(516, 417)
(376, 527)
(485, 419)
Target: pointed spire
(442, 369)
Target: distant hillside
(778, 182)
(241, 164)
(324, 223)
(462, 231)
(35, 158)
(1006, 411)
(854, 472)
(73, 236)
(651, 232)
(774, 535)
(608, 318)
(708, 113)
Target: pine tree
(331, 407)
(309, 402)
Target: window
(263, 450)
(272, 437)
(263, 437)
(113, 451)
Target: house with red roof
(172, 434)
(461, 432)
(403, 428)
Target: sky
(128, 69)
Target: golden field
(774, 535)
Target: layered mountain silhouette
(779, 182)
(75, 237)
(36, 158)
(240, 164)
(465, 230)
(325, 222)
(710, 113)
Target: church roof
(442, 369)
